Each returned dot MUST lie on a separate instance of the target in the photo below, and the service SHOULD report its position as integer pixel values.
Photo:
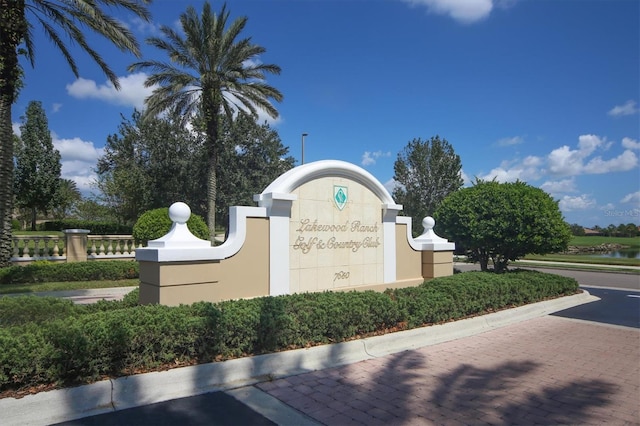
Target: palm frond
(72, 18)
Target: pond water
(619, 254)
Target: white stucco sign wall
(336, 236)
(334, 228)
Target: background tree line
(153, 163)
(147, 164)
(622, 230)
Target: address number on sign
(342, 275)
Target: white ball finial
(428, 223)
(179, 212)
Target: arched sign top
(298, 176)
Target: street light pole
(303, 135)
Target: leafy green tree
(67, 196)
(37, 172)
(151, 164)
(211, 73)
(632, 230)
(577, 230)
(154, 162)
(60, 20)
(426, 172)
(93, 210)
(502, 222)
(252, 156)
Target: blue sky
(545, 91)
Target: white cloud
(466, 180)
(608, 206)
(464, 11)
(581, 202)
(390, 185)
(510, 171)
(369, 158)
(630, 143)
(515, 140)
(16, 129)
(144, 27)
(132, 91)
(77, 149)
(78, 159)
(623, 162)
(56, 107)
(565, 161)
(633, 198)
(559, 186)
(628, 108)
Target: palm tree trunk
(212, 185)
(6, 180)
(11, 32)
(212, 112)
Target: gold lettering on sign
(306, 244)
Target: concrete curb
(132, 391)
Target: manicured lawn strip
(52, 342)
(596, 240)
(38, 233)
(584, 267)
(574, 258)
(68, 285)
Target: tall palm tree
(60, 20)
(211, 73)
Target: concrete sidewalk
(293, 385)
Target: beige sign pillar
(437, 252)
(76, 244)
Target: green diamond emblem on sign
(340, 196)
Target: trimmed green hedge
(39, 272)
(96, 228)
(156, 223)
(47, 340)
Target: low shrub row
(52, 341)
(96, 228)
(39, 272)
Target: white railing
(38, 247)
(53, 248)
(110, 246)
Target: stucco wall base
(437, 264)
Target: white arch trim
(278, 197)
(292, 179)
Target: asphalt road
(617, 307)
(216, 408)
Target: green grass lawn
(596, 240)
(38, 233)
(63, 286)
(577, 258)
(590, 241)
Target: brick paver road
(548, 370)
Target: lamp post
(303, 135)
